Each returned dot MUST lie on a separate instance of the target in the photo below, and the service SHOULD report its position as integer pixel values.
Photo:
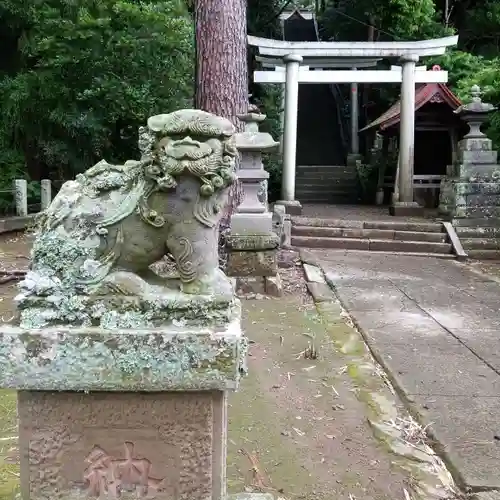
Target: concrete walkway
(435, 326)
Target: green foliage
(478, 23)
(368, 178)
(80, 76)
(395, 19)
(263, 20)
(487, 77)
(270, 104)
(475, 61)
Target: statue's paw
(123, 283)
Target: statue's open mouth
(188, 149)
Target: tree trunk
(221, 66)
(221, 57)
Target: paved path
(435, 326)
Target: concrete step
(371, 244)
(470, 222)
(335, 174)
(325, 187)
(406, 254)
(423, 227)
(484, 254)
(345, 200)
(327, 174)
(478, 232)
(380, 234)
(322, 168)
(326, 179)
(480, 244)
(315, 196)
(340, 200)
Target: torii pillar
(292, 67)
(404, 204)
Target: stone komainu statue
(104, 229)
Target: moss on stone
(97, 359)
(9, 470)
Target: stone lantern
(252, 244)
(475, 114)
(252, 215)
(471, 190)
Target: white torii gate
(294, 53)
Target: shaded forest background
(77, 77)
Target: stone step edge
(326, 190)
(351, 242)
(425, 227)
(449, 256)
(485, 254)
(402, 235)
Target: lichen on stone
(95, 243)
(172, 358)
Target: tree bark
(221, 66)
(221, 57)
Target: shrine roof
(426, 93)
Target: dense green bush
(263, 20)
(78, 77)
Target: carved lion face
(199, 155)
(191, 142)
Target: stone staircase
(480, 238)
(411, 238)
(327, 184)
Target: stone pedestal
(252, 262)
(282, 226)
(122, 372)
(137, 414)
(291, 207)
(471, 190)
(252, 244)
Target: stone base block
(291, 207)
(252, 242)
(480, 222)
(173, 358)
(252, 263)
(476, 211)
(282, 225)
(260, 285)
(250, 285)
(162, 446)
(251, 223)
(476, 171)
(406, 209)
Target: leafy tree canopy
(476, 60)
(78, 77)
